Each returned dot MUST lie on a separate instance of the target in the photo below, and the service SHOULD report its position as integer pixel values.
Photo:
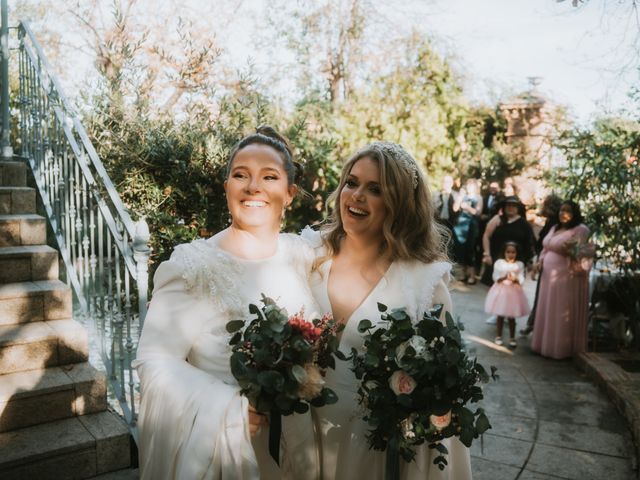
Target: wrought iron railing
(104, 252)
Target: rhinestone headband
(401, 156)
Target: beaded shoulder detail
(208, 272)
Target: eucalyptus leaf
(234, 325)
(364, 325)
(299, 373)
(482, 423)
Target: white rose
(440, 421)
(402, 383)
(418, 344)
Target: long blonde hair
(409, 229)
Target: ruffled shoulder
(208, 272)
(299, 250)
(420, 280)
(312, 237)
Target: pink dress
(560, 328)
(506, 298)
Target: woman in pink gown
(560, 328)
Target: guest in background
(560, 328)
(550, 207)
(445, 214)
(506, 298)
(466, 228)
(510, 226)
(491, 202)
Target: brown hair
(410, 231)
(266, 135)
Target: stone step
(22, 229)
(37, 345)
(72, 448)
(17, 200)
(34, 302)
(13, 174)
(127, 474)
(38, 396)
(28, 262)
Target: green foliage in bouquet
(416, 381)
(279, 360)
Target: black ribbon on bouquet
(275, 431)
(392, 464)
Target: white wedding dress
(345, 450)
(193, 423)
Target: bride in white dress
(379, 245)
(193, 423)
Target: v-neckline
(364, 300)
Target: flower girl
(506, 298)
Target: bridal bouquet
(416, 382)
(279, 361)
(581, 254)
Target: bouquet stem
(275, 431)
(392, 465)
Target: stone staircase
(54, 421)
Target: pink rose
(401, 382)
(441, 421)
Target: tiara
(402, 157)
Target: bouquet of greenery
(415, 383)
(279, 362)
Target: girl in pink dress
(563, 300)
(506, 298)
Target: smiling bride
(380, 244)
(193, 423)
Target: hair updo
(267, 135)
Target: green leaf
(482, 423)
(404, 400)
(364, 325)
(299, 373)
(399, 314)
(382, 307)
(235, 338)
(234, 325)
(301, 407)
(238, 366)
(271, 380)
(329, 396)
(284, 403)
(341, 356)
(253, 309)
(371, 360)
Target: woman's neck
(361, 251)
(249, 244)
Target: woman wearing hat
(510, 226)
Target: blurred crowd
(497, 241)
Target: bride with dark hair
(193, 422)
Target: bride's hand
(256, 421)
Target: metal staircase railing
(105, 254)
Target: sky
(585, 56)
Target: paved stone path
(549, 421)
